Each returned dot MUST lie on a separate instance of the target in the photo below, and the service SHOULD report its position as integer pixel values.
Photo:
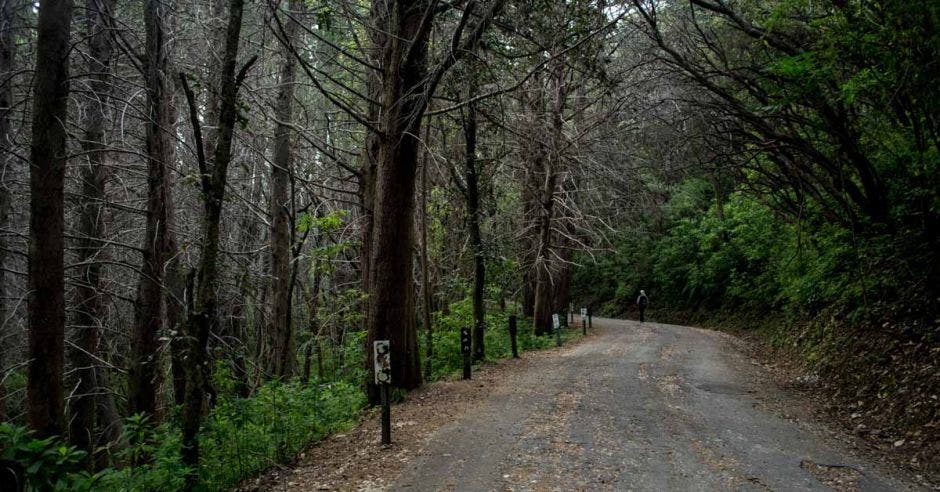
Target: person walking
(641, 302)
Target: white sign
(383, 362)
(584, 312)
(555, 322)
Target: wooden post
(465, 350)
(386, 415)
(512, 336)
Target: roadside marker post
(512, 336)
(584, 320)
(383, 377)
(465, 350)
(556, 323)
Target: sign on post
(383, 376)
(383, 362)
(584, 321)
(556, 323)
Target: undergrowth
(242, 437)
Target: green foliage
(151, 459)
(447, 357)
(49, 464)
(242, 437)
(744, 257)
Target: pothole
(723, 389)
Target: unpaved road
(638, 407)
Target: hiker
(642, 302)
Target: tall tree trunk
(472, 195)
(89, 306)
(203, 316)
(46, 308)
(562, 294)
(281, 208)
(378, 17)
(392, 299)
(544, 284)
(425, 272)
(543, 281)
(8, 27)
(144, 365)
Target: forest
(211, 209)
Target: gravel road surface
(640, 407)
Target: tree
(407, 85)
(282, 207)
(468, 183)
(90, 312)
(46, 309)
(8, 26)
(203, 312)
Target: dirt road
(639, 407)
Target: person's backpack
(643, 301)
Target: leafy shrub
(244, 436)
(48, 464)
(447, 357)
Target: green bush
(447, 357)
(244, 436)
(49, 464)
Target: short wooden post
(512, 336)
(465, 350)
(386, 415)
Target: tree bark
(46, 305)
(392, 300)
(471, 192)
(144, 365)
(425, 272)
(203, 316)
(544, 283)
(281, 209)
(90, 310)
